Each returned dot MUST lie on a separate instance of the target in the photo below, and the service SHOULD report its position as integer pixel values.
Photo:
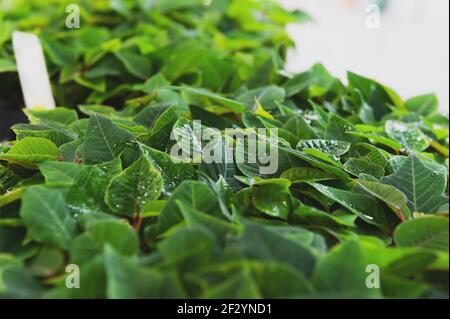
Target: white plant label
(32, 70)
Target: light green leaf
(59, 117)
(55, 135)
(234, 106)
(137, 65)
(396, 146)
(423, 105)
(428, 232)
(7, 66)
(423, 186)
(30, 151)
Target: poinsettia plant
(356, 207)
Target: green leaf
(330, 147)
(30, 151)
(423, 105)
(113, 232)
(361, 205)
(104, 140)
(198, 220)
(232, 105)
(188, 249)
(321, 161)
(45, 213)
(157, 81)
(55, 135)
(338, 128)
(129, 191)
(104, 110)
(18, 283)
(162, 128)
(394, 145)
(238, 285)
(191, 193)
(335, 276)
(428, 232)
(87, 184)
(223, 165)
(414, 178)
(269, 243)
(230, 222)
(58, 117)
(267, 96)
(306, 174)
(137, 65)
(127, 280)
(411, 137)
(164, 6)
(289, 283)
(272, 199)
(357, 166)
(388, 194)
(310, 216)
(173, 173)
(47, 263)
(7, 66)
(300, 128)
(59, 53)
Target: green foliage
(361, 176)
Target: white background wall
(409, 52)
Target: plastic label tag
(32, 70)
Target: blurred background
(407, 49)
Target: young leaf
(30, 151)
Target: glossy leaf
(414, 178)
(129, 191)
